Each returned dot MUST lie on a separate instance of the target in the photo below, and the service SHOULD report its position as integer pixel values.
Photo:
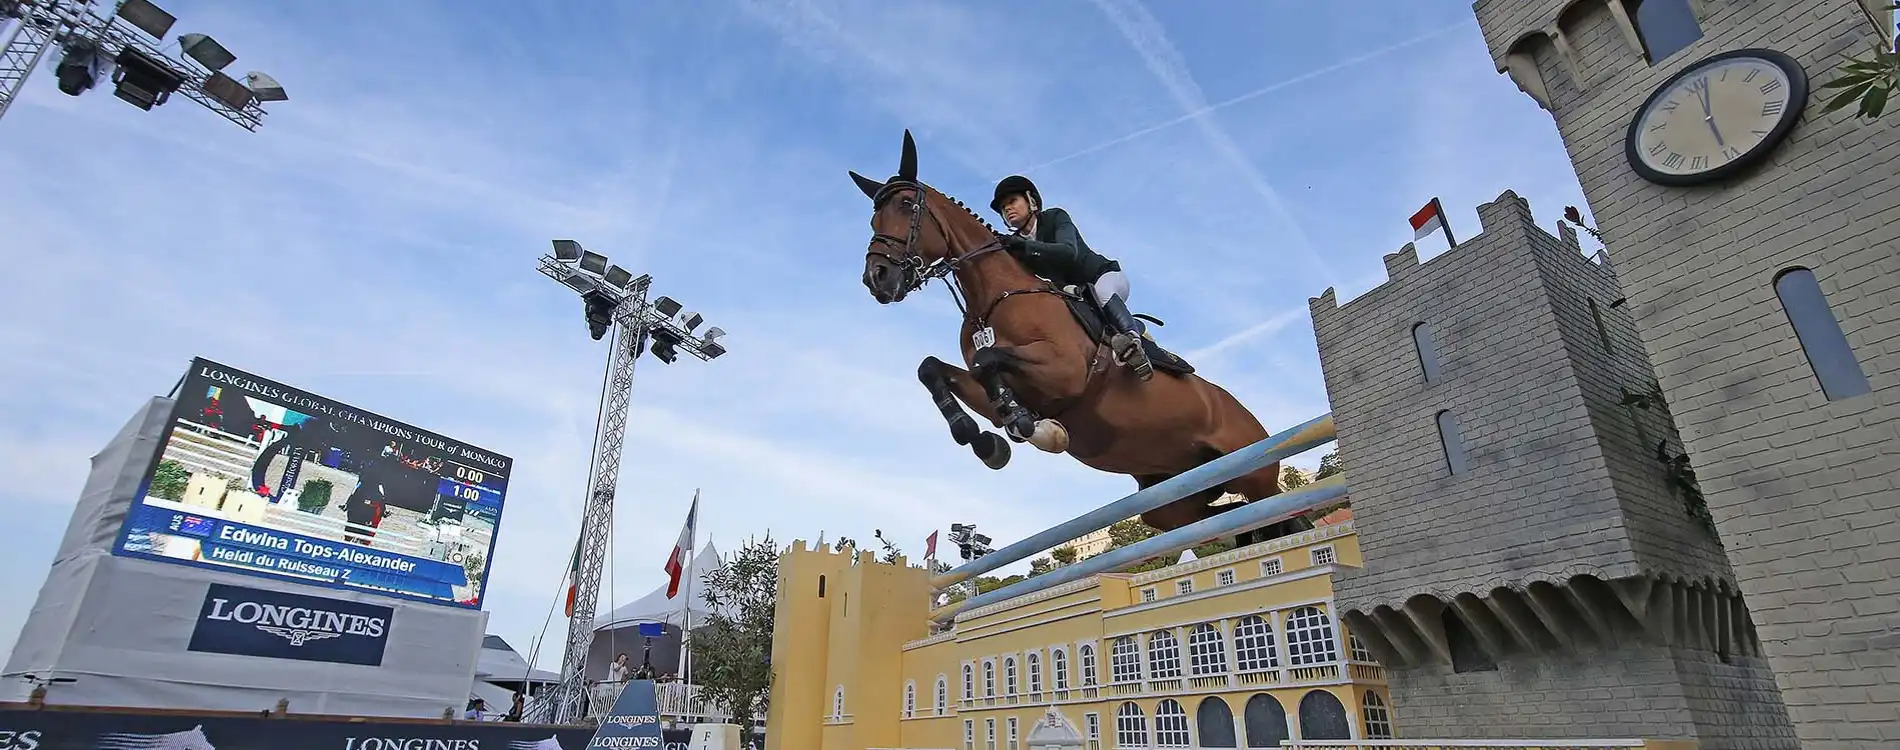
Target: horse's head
(902, 246)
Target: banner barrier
(27, 729)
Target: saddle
(1095, 324)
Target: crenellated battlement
(1506, 223)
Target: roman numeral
(1771, 109)
(1763, 133)
(1674, 160)
(1724, 75)
(1771, 86)
(1659, 126)
(1731, 152)
(1658, 148)
(1698, 162)
(1668, 106)
(1752, 72)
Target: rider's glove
(1013, 243)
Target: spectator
(475, 708)
(515, 711)
(619, 670)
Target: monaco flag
(1430, 219)
(676, 562)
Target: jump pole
(1297, 440)
(1246, 517)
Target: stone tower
(1767, 301)
(1529, 572)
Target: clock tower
(1758, 241)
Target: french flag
(1431, 219)
(676, 562)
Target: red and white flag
(676, 562)
(1430, 219)
(930, 547)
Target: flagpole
(1444, 222)
(692, 552)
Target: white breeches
(1112, 284)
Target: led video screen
(258, 477)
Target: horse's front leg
(949, 384)
(991, 366)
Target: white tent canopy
(655, 607)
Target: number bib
(984, 337)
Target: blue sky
(375, 241)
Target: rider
(1047, 241)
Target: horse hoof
(964, 430)
(1050, 436)
(992, 449)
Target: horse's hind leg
(949, 384)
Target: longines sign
(280, 625)
(60, 730)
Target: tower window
(1454, 444)
(1427, 354)
(1665, 26)
(1820, 335)
(1603, 333)
(821, 587)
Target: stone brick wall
(1635, 691)
(1558, 483)
(1805, 492)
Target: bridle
(903, 253)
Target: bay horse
(1039, 362)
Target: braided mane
(966, 209)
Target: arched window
(910, 698)
(1207, 653)
(1253, 644)
(1266, 721)
(1214, 722)
(1164, 656)
(1452, 442)
(837, 703)
(969, 682)
(1034, 660)
(989, 679)
(1665, 26)
(1309, 638)
(1323, 717)
(1378, 719)
(821, 587)
(1085, 657)
(1131, 726)
(1009, 675)
(1427, 354)
(943, 694)
(1820, 335)
(1059, 664)
(1171, 725)
(1124, 660)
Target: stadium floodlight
(615, 301)
(207, 51)
(580, 283)
(265, 88)
(691, 320)
(91, 41)
(618, 276)
(227, 91)
(667, 307)
(146, 17)
(142, 80)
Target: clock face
(1718, 116)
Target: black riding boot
(1126, 340)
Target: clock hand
(1708, 114)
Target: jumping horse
(1039, 363)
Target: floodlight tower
(124, 45)
(612, 298)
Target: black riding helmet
(1012, 185)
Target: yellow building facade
(1239, 649)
